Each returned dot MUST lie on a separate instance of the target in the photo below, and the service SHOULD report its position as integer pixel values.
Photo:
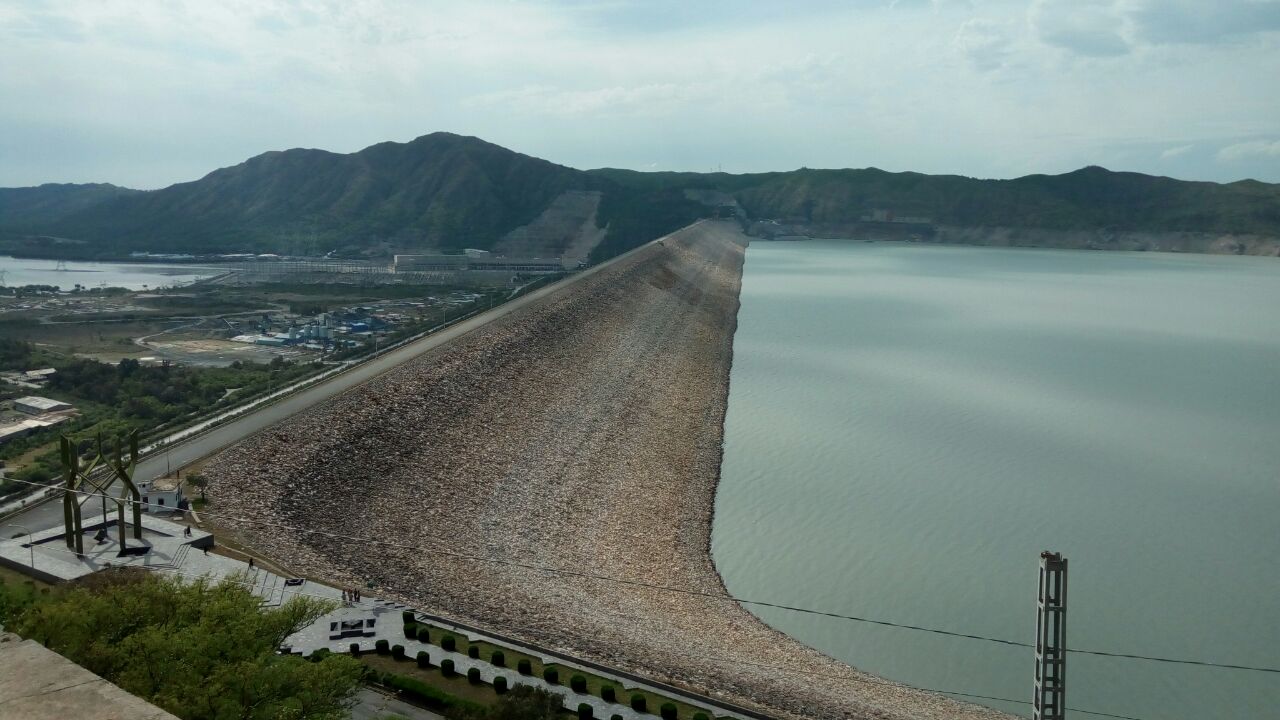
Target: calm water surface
(909, 426)
(135, 276)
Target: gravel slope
(583, 433)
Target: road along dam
(581, 432)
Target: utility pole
(1050, 698)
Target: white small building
(161, 495)
(36, 405)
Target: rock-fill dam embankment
(581, 432)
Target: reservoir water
(909, 426)
(93, 275)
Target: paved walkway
(389, 626)
(374, 705)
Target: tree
(200, 650)
(199, 482)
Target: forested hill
(34, 207)
(449, 191)
(433, 190)
(1087, 199)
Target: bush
(608, 693)
(430, 696)
(615, 716)
(473, 651)
(498, 659)
(424, 634)
(524, 667)
(397, 652)
(638, 702)
(410, 631)
(320, 654)
(578, 684)
(382, 647)
(584, 711)
(424, 660)
(700, 716)
(473, 675)
(499, 684)
(408, 617)
(449, 642)
(355, 649)
(668, 711)
(551, 675)
(446, 668)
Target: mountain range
(445, 191)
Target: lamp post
(31, 545)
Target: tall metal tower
(1051, 639)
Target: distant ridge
(449, 191)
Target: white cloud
(145, 93)
(1202, 21)
(1177, 151)
(1085, 27)
(1250, 150)
(986, 44)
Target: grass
(458, 685)
(13, 577)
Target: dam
(581, 433)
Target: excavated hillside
(583, 432)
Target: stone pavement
(39, 684)
(374, 705)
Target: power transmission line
(684, 591)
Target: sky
(145, 94)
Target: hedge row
(578, 683)
(431, 696)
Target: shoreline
(585, 433)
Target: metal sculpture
(77, 473)
(74, 472)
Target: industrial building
(36, 405)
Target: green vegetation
(115, 399)
(428, 695)
(197, 649)
(668, 711)
(521, 703)
(638, 702)
(423, 659)
(582, 682)
(473, 675)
